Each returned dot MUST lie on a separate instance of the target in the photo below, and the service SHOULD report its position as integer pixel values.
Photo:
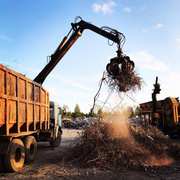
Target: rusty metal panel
(2, 81)
(30, 90)
(30, 113)
(2, 111)
(37, 113)
(43, 96)
(22, 88)
(37, 94)
(12, 112)
(43, 113)
(11, 85)
(22, 112)
(24, 104)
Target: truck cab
(55, 123)
(55, 115)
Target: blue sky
(31, 30)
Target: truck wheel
(15, 156)
(57, 141)
(30, 144)
(1, 164)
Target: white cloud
(127, 10)
(145, 30)
(158, 26)
(170, 87)
(106, 7)
(174, 76)
(153, 27)
(178, 42)
(145, 60)
(168, 77)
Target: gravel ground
(50, 164)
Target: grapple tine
(121, 74)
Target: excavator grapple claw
(121, 74)
(120, 64)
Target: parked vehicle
(26, 116)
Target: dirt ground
(50, 164)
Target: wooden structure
(24, 104)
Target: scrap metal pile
(144, 148)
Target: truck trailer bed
(24, 104)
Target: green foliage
(100, 113)
(137, 111)
(130, 111)
(77, 112)
(66, 113)
(92, 114)
(77, 109)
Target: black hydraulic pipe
(85, 25)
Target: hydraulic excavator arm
(75, 32)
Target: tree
(77, 112)
(66, 112)
(77, 109)
(137, 111)
(130, 111)
(65, 108)
(100, 113)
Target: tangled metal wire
(120, 77)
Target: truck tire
(57, 141)
(30, 145)
(1, 164)
(15, 156)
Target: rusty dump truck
(26, 114)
